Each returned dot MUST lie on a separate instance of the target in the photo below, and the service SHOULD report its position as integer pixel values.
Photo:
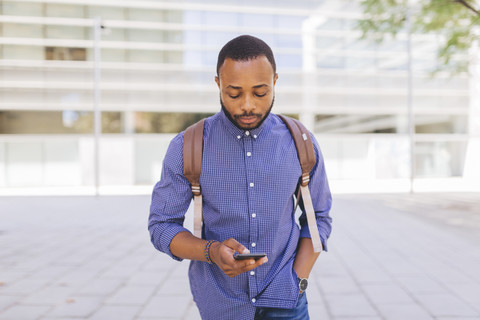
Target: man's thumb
(235, 245)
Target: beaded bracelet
(206, 251)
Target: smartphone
(244, 256)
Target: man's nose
(248, 104)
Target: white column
(472, 157)
(129, 122)
(309, 46)
(97, 122)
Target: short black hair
(244, 48)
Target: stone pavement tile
(24, 286)
(192, 312)
(387, 294)
(399, 266)
(350, 305)
(444, 272)
(457, 318)
(50, 272)
(446, 305)
(329, 265)
(115, 313)
(159, 262)
(338, 285)
(10, 275)
(61, 318)
(370, 275)
(317, 311)
(147, 278)
(469, 293)
(7, 301)
(52, 294)
(77, 277)
(24, 312)
(180, 270)
(419, 285)
(76, 306)
(118, 271)
(354, 318)
(175, 286)
(131, 295)
(403, 312)
(97, 265)
(166, 307)
(99, 287)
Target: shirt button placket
(252, 200)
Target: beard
(233, 117)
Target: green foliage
(455, 20)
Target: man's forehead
(230, 65)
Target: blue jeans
(300, 312)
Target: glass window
(66, 32)
(440, 159)
(62, 53)
(157, 122)
(57, 122)
(64, 11)
(360, 123)
(21, 30)
(22, 9)
(441, 123)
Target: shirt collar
(239, 133)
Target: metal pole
(97, 116)
(411, 119)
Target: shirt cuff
(165, 238)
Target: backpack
(192, 166)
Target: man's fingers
(252, 264)
(236, 246)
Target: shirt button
(254, 244)
(247, 133)
(252, 273)
(255, 136)
(251, 184)
(254, 300)
(254, 215)
(238, 137)
(249, 154)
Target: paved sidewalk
(391, 257)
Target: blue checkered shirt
(248, 182)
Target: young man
(250, 172)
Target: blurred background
(91, 92)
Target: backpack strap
(192, 167)
(306, 156)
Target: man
(250, 172)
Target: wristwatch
(302, 284)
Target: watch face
(303, 284)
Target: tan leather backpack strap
(192, 168)
(306, 156)
(306, 153)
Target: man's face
(247, 90)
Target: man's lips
(247, 119)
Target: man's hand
(222, 254)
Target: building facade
(383, 121)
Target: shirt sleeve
(171, 198)
(321, 200)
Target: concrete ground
(396, 256)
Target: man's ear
(217, 80)
(275, 78)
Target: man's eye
(261, 95)
(234, 97)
